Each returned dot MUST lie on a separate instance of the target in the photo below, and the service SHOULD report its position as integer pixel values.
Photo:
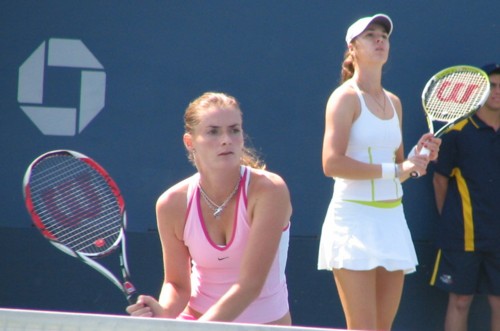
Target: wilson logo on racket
(458, 92)
(72, 212)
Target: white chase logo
(61, 121)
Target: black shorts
(467, 273)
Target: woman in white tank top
(365, 240)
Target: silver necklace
(376, 101)
(217, 209)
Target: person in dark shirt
(467, 191)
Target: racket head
(74, 202)
(453, 94)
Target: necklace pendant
(217, 212)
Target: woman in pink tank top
(225, 230)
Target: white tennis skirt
(360, 237)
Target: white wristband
(388, 170)
(412, 152)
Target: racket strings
(455, 95)
(76, 205)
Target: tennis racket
(78, 207)
(452, 95)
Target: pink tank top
(215, 268)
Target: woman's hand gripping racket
(452, 95)
(78, 207)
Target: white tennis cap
(360, 25)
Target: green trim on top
(378, 204)
(372, 181)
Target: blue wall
(281, 59)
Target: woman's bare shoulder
(342, 98)
(266, 179)
(174, 200)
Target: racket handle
(130, 291)
(132, 298)
(423, 151)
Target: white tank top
(375, 141)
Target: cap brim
(360, 25)
(383, 20)
(491, 68)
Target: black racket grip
(132, 298)
(130, 292)
(414, 174)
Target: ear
(188, 141)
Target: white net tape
(32, 320)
